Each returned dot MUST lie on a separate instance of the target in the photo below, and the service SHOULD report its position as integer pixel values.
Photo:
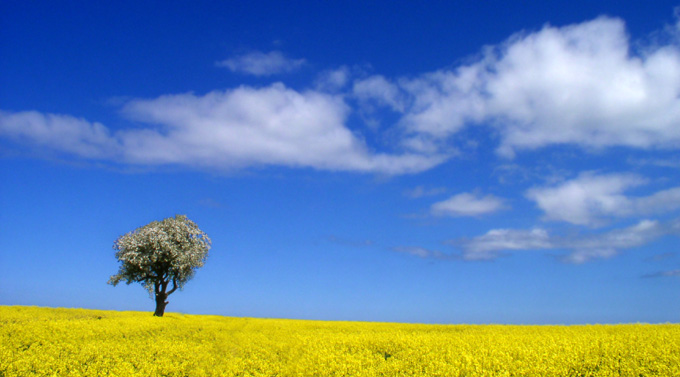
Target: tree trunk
(160, 305)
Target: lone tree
(160, 253)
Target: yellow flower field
(77, 342)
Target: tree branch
(174, 285)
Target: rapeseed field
(77, 342)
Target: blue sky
(455, 162)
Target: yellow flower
(73, 342)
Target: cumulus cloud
(222, 129)
(581, 84)
(581, 248)
(262, 64)
(466, 204)
(590, 199)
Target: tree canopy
(161, 253)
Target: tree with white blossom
(161, 255)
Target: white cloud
(422, 191)
(443, 102)
(379, 89)
(669, 273)
(608, 244)
(591, 199)
(580, 84)
(333, 80)
(62, 133)
(489, 245)
(673, 163)
(581, 248)
(244, 126)
(660, 202)
(261, 64)
(222, 129)
(421, 252)
(586, 199)
(466, 204)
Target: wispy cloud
(422, 252)
(63, 133)
(661, 274)
(333, 80)
(490, 245)
(661, 257)
(673, 163)
(262, 64)
(378, 88)
(210, 203)
(422, 191)
(590, 199)
(466, 204)
(582, 248)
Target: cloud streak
(262, 64)
(581, 248)
(466, 204)
(663, 274)
(421, 191)
(590, 199)
(423, 253)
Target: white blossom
(161, 252)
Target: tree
(160, 253)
